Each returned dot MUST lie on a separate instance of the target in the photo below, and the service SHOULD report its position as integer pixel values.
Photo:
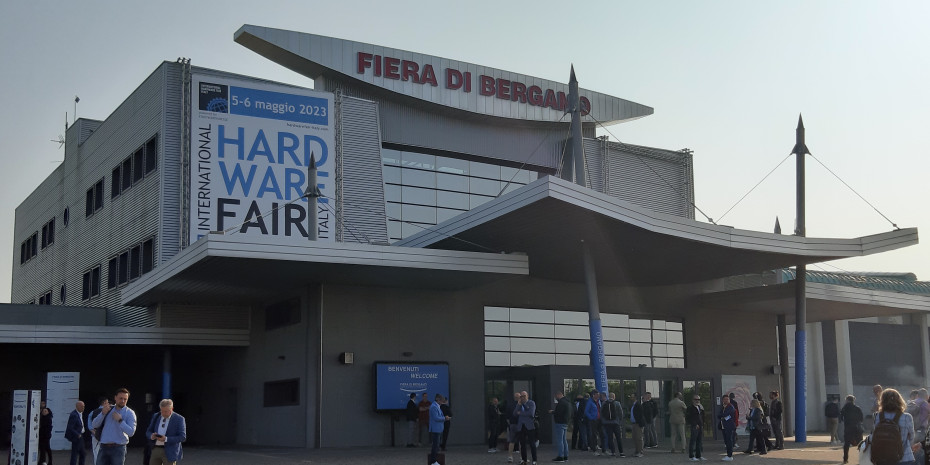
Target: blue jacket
(175, 434)
(436, 418)
(727, 415)
(525, 414)
(73, 430)
(591, 411)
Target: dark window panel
(123, 267)
(115, 186)
(148, 256)
(138, 160)
(127, 173)
(151, 154)
(111, 273)
(89, 203)
(98, 195)
(95, 281)
(85, 290)
(134, 259)
(282, 393)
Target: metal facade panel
(122, 222)
(170, 165)
(363, 215)
(539, 146)
(656, 179)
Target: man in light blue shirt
(116, 424)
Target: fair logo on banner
(251, 146)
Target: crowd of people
(109, 428)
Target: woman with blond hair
(754, 418)
(891, 406)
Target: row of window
(48, 233)
(143, 161)
(123, 267)
(29, 248)
(134, 168)
(131, 263)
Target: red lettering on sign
(563, 101)
(453, 79)
(391, 68)
(487, 85)
(503, 89)
(550, 100)
(364, 61)
(467, 81)
(585, 106)
(428, 77)
(378, 65)
(519, 92)
(411, 70)
(535, 96)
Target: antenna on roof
(76, 100)
(61, 138)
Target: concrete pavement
(815, 451)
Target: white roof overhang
(239, 269)
(549, 218)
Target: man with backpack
(851, 416)
(611, 414)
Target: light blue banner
(278, 105)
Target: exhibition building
(181, 250)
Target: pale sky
(727, 79)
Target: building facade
(445, 234)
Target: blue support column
(598, 363)
(166, 375)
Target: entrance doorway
(702, 389)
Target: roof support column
(166, 374)
(785, 392)
(816, 376)
(843, 358)
(923, 321)
(598, 362)
(800, 299)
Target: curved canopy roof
(549, 218)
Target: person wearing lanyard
(116, 423)
(167, 431)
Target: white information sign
(61, 395)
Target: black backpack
(887, 447)
(610, 411)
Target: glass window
(452, 200)
(151, 154)
(484, 186)
(617, 348)
(112, 270)
(532, 315)
(452, 182)
(572, 347)
(123, 276)
(391, 174)
(616, 334)
(497, 359)
(419, 178)
(409, 229)
(492, 328)
(640, 335)
(115, 182)
(616, 320)
(419, 196)
(148, 256)
(135, 261)
(532, 330)
(127, 173)
(640, 349)
(497, 313)
(518, 344)
(674, 337)
(484, 170)
(392, 193)
(451, 165)
(519, 359)
(138, 160)
(418, 214)
(498, 344)
(571, 318)
(418, 160)
(572, 332)
(390, 157)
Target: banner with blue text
(251, 146)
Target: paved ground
(815, 451)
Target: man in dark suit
(166, 432)
(695, 418)
(75, 433)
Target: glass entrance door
(702, 389)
